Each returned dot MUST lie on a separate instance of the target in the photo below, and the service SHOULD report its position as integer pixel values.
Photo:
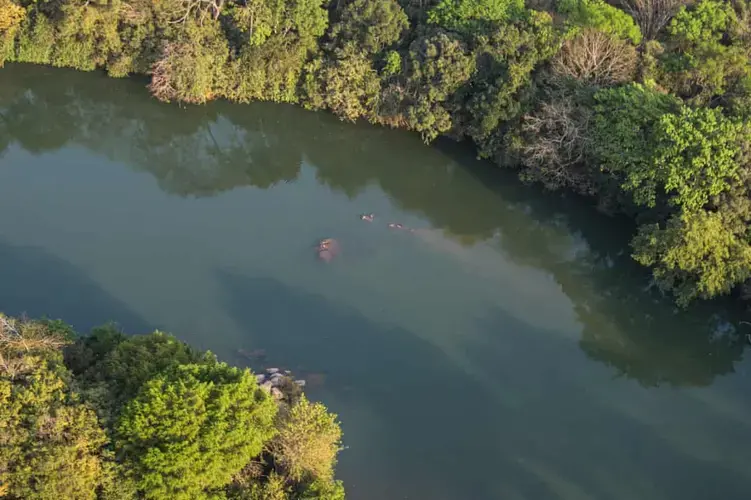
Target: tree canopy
(112, 417)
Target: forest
(114, 417)
(641, 104)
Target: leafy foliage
(50, 443)
(696, 255)
(189, 431)
(308, 441)
(697, 157)
(624, 128)
(601, 16)
(468, 15)
(178, 424)
(370, 25)
(708, 58)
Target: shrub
(50, 443)
(601, 16)
(189, 431)
(308, 442)
(694, 255)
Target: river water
(507, 348)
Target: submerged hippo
(328, 249)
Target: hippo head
(328, 249)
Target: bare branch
(596, 58)
(555, 144)
(652, 15)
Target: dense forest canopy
(643, 104)
(112, 417)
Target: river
(507, 348)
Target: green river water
(508, 348)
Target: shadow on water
(626, 324)
(562, 437)
(38, 284)
(501, 408)
(380, 369)
(203, 151)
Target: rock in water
(300, 383)
(260, 378)
(272, 371)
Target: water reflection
(203, 151)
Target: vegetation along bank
(115, 417)
(642, 104)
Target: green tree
(438, 65)
(86, 34)
(350, 86)
(50, 443)
(192, 67)
(697, 158)
(601, 16)
(623, 135)
(474, 15)
(708, 55)
(695, 255)
(499, 90)
(11, 17)
(189, 431)
(308, 441)
(370, 24)
(323, 490)
(35, 40)
(112, 368)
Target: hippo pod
(328, 249)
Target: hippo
(328, 249)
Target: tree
(192, 68)
(706, 59)
(370, 24)
(112, 368)
(11, 15)
(500, 89)
(623, 134)
(50, 443)
(474, 15)
(189, 431)
(437, 66)
(350, 85)
(696, 157)
(555, 140)
(86, 35)
(695, 255)
(601, 16)
(308, 442)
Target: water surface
(506, 349)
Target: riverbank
(110, 416)
(648, 117)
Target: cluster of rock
(274, 380)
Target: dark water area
(507, 348)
